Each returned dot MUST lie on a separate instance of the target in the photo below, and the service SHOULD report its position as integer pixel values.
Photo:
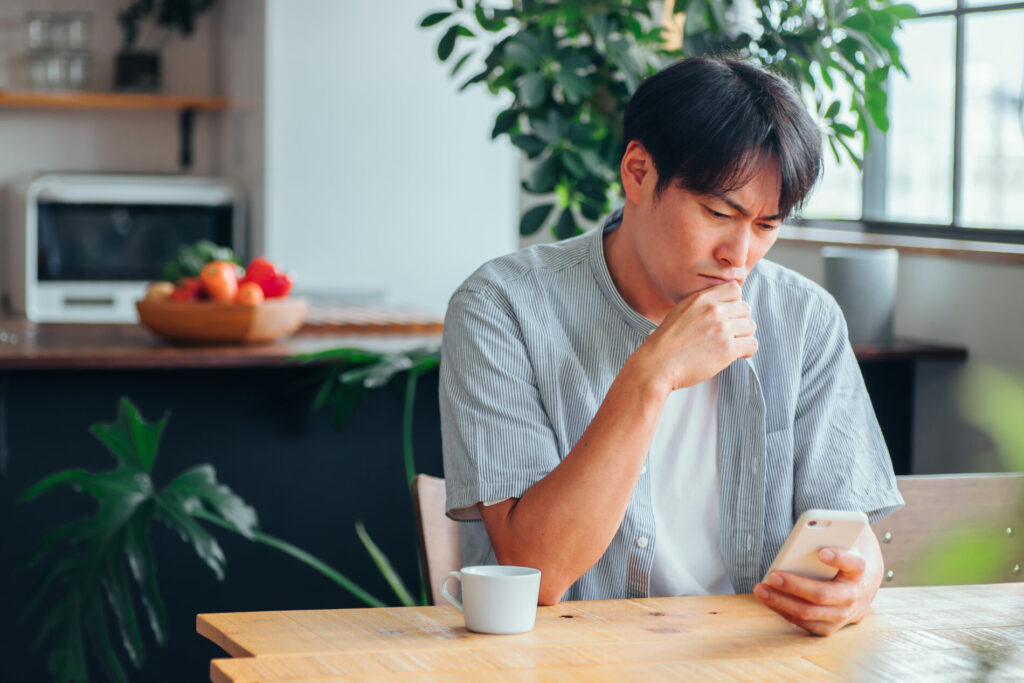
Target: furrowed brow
(744, 211)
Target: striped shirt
(532, 342)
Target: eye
(769, 227)
(716, 214)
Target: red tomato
(259, 270)
(220, 281)
(250, 294)
(278, 286)
(188, 289)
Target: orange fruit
(250, 294)
(220, 280)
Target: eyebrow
(744, 211)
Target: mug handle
(444, 588)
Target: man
(646, 409)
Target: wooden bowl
(209, 322)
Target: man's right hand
(699, 337)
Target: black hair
(709, 123)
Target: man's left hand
(824, 607)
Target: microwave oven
(83, 247)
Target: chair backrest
(437, 534)
(972, 512)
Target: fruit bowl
(209, 322)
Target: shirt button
(643, 470)
(641, 542)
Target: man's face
(685, 242)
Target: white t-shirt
(684, 487)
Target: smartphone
(817, 529)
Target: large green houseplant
(568, 67)
(96, 571)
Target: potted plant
(137, 68)
(570, 67)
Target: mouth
(714, 279)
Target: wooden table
(934, 633)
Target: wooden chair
(437, 534)
(987, 509)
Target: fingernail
(775, 580)
(827, 554)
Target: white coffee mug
(496, 599)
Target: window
(952, 162)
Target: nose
(733, 249)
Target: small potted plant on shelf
(136, 67)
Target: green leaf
(843, 129)
(115, 584)
(533, 90)
(544, 175)
(902, 11)
(77, 530)
(522, 56)
(202, 542)
(876, 101)
(504, 122)
(859, 21)
(566, 225)
(574, 165)
(575, 87)
(533, 219)
(385, 567)
(198, 486)
(434, 18)
(461, 62)
(95, 622)
(832, 110)
(530, 144)
(131, 439)
(140, 561)
(482, 76)
(380, 373)
(447, 42)
(553, 129)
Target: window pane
(993, 136)
(978, 3)
(920, 155)
(838, 194)
(926, 6)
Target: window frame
(874, 168)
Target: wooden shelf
(110, 100)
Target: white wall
(242, 144)
(974, 304)
(34, 140)
(379, 175)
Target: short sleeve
(841, 460)
(496, 435)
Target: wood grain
(438, 536)
(73, 346)
(938, 508)
(710, 637)
(110, 100)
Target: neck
(628, 273)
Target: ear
(637, 172)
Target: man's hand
(700, 337)
(824, 607)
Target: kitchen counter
(70, 346)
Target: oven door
(93, 254)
